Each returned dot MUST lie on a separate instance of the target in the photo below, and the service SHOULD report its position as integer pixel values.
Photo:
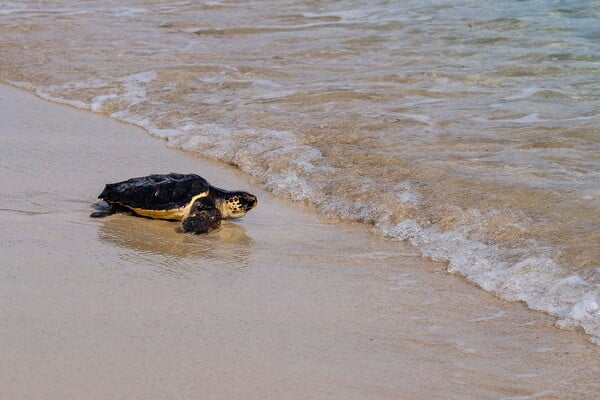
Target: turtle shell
(157, 196)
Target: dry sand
(280, 305)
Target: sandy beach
(279, 305)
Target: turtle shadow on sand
(228, 244)
(189, 199)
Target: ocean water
(470, 129)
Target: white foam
(73, 103)
(290, 184)
(12, 7)
(22, 8)
(135, 86)
(533, 118)
(147, 124)
(356, 14)
(528, 92)
(99, 101)
(531, 91)
(534, 278)
(405, 194)
(538, 395)
(127, 11)
(528, 119)
(586, 308)
(418, 101)
(426, 119)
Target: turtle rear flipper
(102, 209)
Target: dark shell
(155, 192)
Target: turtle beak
(252, 201)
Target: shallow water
(280, 304)
(470, 131)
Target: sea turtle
(188, 198)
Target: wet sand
(279, 305)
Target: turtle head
(234, 204)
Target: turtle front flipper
(202, 221)
(202, 218)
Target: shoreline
(279, 305)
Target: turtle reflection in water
(188, 198)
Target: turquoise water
(470, 129)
